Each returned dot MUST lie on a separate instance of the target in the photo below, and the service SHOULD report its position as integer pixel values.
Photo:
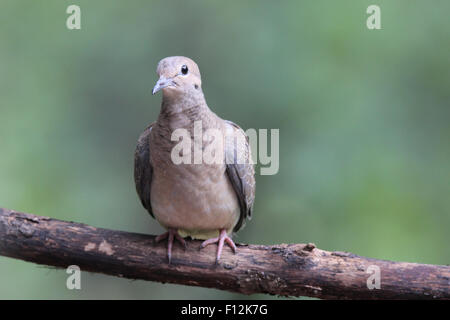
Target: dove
(203, 200)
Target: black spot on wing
(241, 176)
(143, 170)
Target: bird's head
(178, 76)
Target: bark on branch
(286, 269)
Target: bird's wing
(143, 170)
(240, 171)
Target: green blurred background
(363, 118)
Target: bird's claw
(220, 240)
(171, 234)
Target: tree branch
(286, 269)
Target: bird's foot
(171, 234)
(223, 237)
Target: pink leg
(171, 234)
(220, 240)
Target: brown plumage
(200, 200)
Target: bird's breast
(195, 198)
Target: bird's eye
(184, 69)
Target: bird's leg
(223, 237)
(171, 234)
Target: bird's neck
(195, 118)
(176, 102)
(184, 111)
(173, 117)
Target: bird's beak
(161, 84)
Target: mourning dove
(207, 201)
